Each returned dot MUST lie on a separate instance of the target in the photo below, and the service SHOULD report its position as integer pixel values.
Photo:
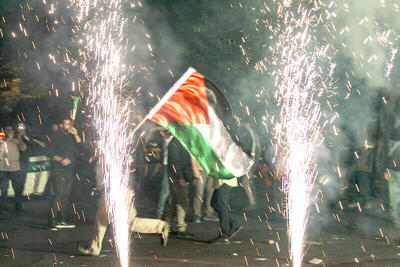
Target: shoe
(88, 251)
(234, 231)
(197, 219)
(211, 218)
(222, 241)
(190, 218)
(64, 225)
(184, 234)
(52, 227)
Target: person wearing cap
(10, 168)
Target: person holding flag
(180, 173)
(193, 111)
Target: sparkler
(299, 76)
(368, 34)
(300, 82)
(104, 45)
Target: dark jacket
(62, 144)
(179, 162)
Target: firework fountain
(300, 79)
(104, 40)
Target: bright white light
(104, 44)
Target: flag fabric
(75, 108)
(189, 110)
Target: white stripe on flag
(231, 156)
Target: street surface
(25, 241)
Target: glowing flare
(300, 82)
(104, 33)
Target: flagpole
(139, 125)
(165, 98)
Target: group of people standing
(373, 164)
(11, 146)
(61, 149)
(163, 173)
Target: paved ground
(24, 241)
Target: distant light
(2, 135)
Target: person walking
(204, 187)
(24, 155)
(10, 168)
(392, 158)
(362, 177)
(136, 224)
(229, 226)
(180, 173)
(157, 151)
(250, 144)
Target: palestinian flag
(189, 111)
(74, 109)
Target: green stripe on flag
(199, 148)
(75, 108)
(76, 101)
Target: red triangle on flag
(189, 104)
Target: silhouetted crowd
(168, 187)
